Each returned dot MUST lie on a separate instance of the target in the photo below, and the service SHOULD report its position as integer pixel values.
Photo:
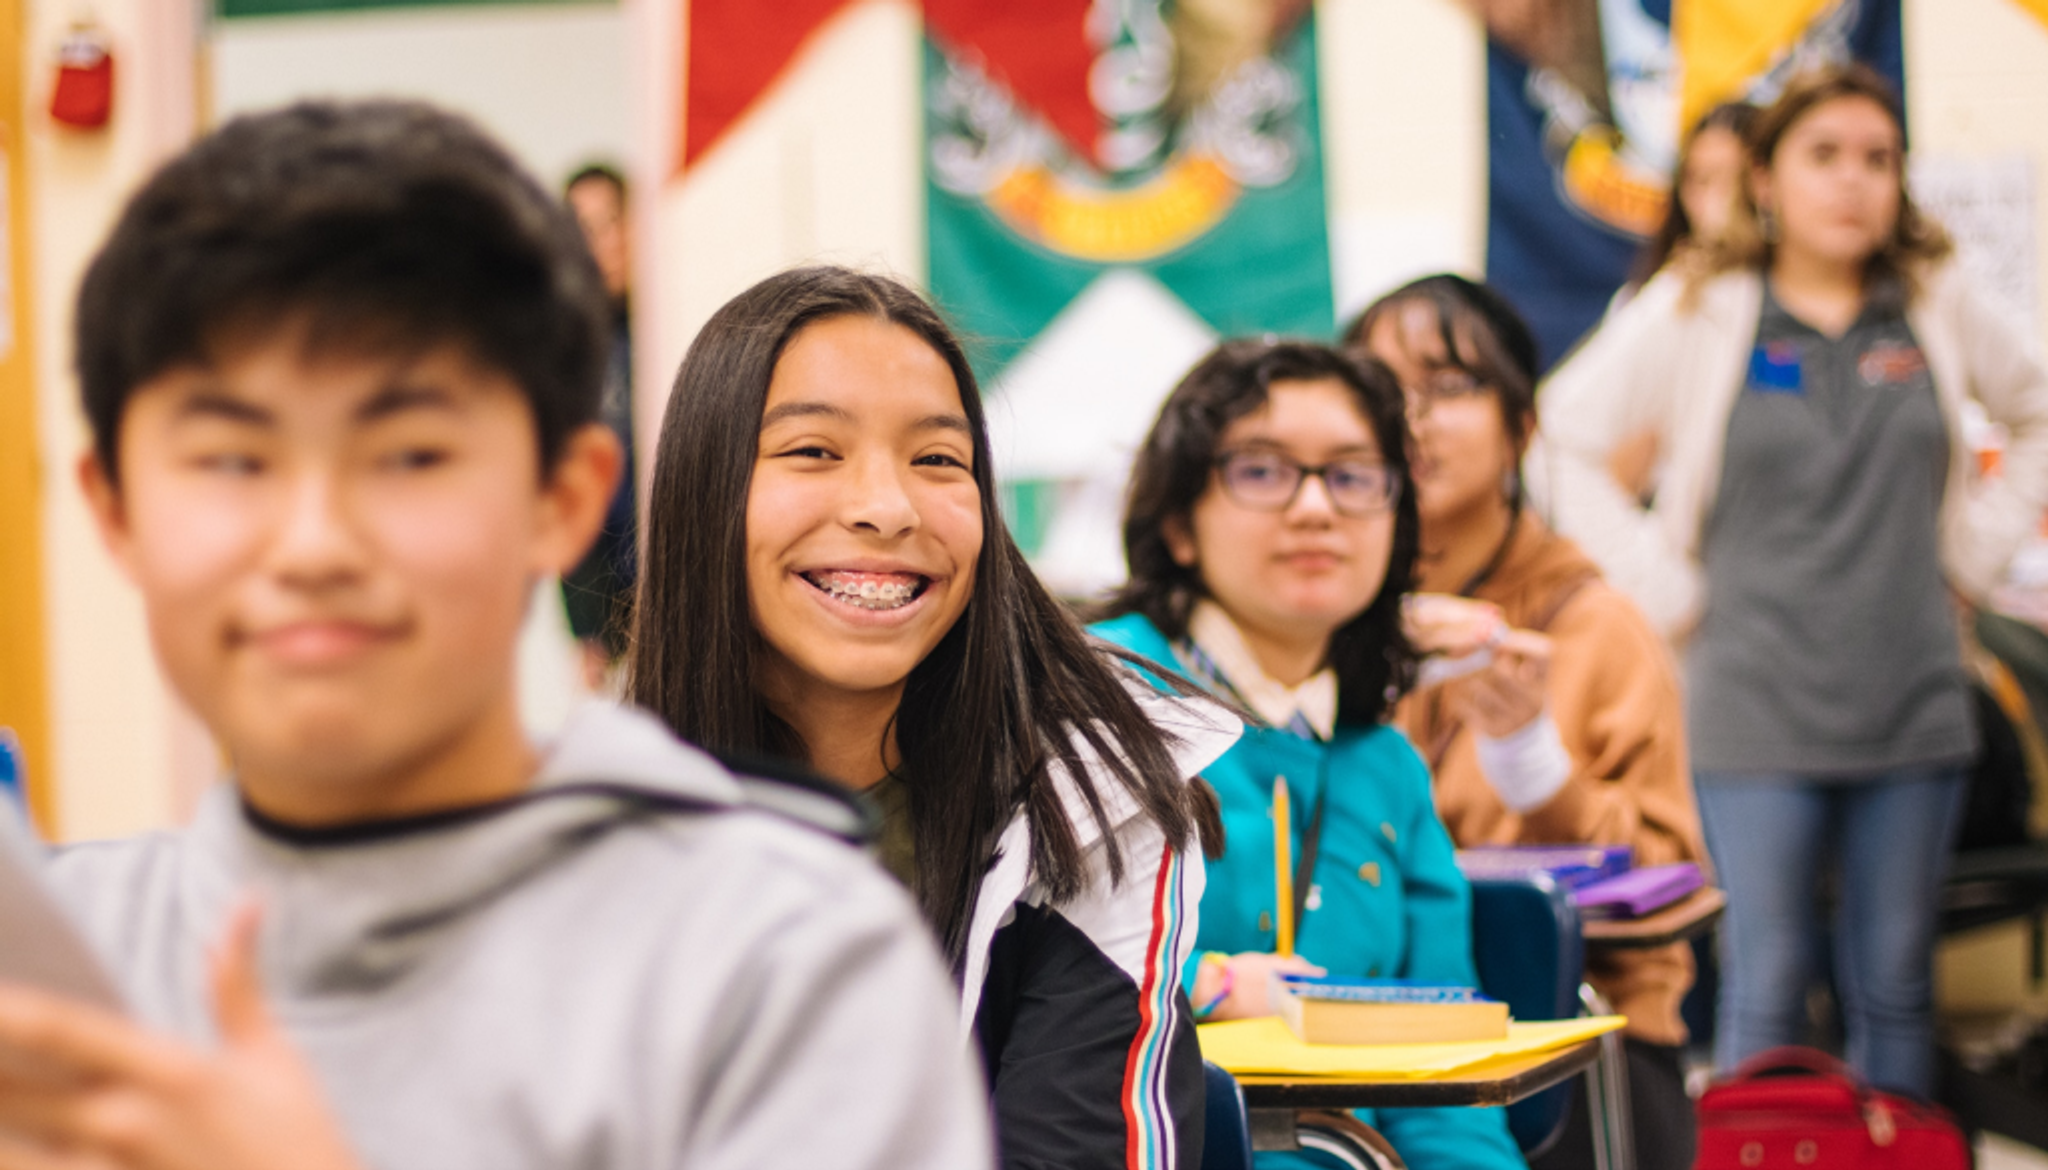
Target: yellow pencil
(1283, 867)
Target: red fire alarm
(84, 93)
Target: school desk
(1309, 1107)
(1681, 920)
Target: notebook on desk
(1264, 1047)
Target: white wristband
(1527, 766)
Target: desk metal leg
(1607, 1104)
(1339, 1135)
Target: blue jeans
(1891, 835)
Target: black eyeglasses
(1447, 384)
(1269, 482)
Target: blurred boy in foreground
(342, 367)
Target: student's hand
(108, 1095)
(1440, 623)
(1510, 693)
(1251, 972)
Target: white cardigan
(1674, 369)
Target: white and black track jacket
(1083, 1025)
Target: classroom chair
(1529, 953)
(2000, 870)
(1226, 1131)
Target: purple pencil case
(1638, 892)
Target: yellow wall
(24, 691)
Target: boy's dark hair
(382, 227)
(602, 172)
(1003, 697)
(1375, 665)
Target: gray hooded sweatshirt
(625, 969)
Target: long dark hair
(1008, 694)
(1733, 117)
(1375, 665)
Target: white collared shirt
(1277, 703)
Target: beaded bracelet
(1222, 993)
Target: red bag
(1793, 1108)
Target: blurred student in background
(598, 592)
(1575, 731)
(829, 582)
(1713, 161)
(1817, 513)
(1270, 535)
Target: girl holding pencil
(1271, 535)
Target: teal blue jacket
(1386, 897)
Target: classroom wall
(548, 79)
(1976, 86)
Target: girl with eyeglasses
(1574, 732)
(1271, 535)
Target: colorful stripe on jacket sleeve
(1148, 1117)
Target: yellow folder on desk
(1264, 1047)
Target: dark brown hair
(598, 172)
(1375, 665)
(1917, 242)
(1006, 697)
(1733, 117)
(1483, 336)
(385, 225)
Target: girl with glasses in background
(1270, 535)
(1574, 731)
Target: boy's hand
(107, 1095)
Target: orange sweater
(1614, 696)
